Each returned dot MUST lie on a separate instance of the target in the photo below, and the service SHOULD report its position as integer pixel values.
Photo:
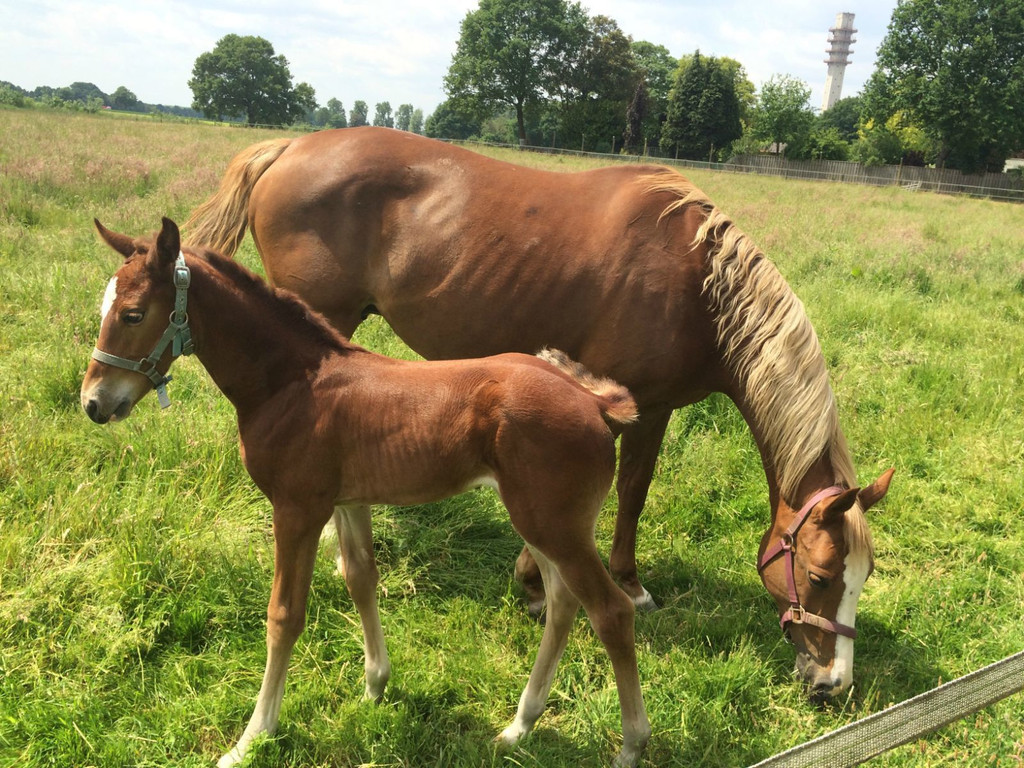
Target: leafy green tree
(359, 114)
(783, 115)
(382, 115)
(598, 84)
(450, 121)
(844, 116)
(703, 109)
(403, 117)
(242, 77)
(331, 115)
(655, 68)
(511, 54)
(893, 142)
(956, 68)
(416, 121)
(124, 99)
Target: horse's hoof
(536, 610)
(645, 603)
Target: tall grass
(135, 559)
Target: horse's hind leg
(562, 609)
(359, 567)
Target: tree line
(948, 90)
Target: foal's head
(138, 301)
(814, 562)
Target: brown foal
(328, 428)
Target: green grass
(135, 559)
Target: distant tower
(839, 39)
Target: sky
(392, 50)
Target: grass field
(135, 559)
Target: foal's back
(398, 432)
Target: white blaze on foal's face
(108, 298)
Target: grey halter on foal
(178, 334)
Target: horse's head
(137, 341)
(814, 562)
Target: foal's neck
(252, 341)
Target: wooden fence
(998, 186)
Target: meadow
(135, 558)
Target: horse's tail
(220, 222)
(617, 405)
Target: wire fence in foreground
(901, 723)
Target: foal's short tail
(219, 223)
(618, 406)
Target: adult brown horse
(327, 427)
(629, 269)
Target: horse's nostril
(92, 409)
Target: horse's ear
(168, 243)
(875, 492)
(120, 243)
(837, 506)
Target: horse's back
(467, 256)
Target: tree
(511, 53)
(416, 121)
(124, 99)
(359, 114)
(241, 77)
(382, 115)
(597, 84)
(636, 115)
(332, 115)
(450, 121)
(783, 115)
(955, 68)
(703, 109)
(403, 117)
(844, 116)
(655, 68)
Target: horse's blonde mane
(768, 342)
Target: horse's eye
(132, 316)
(818, 581)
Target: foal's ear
(168, 243)
(120, 243)
(875, 492)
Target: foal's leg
(359, 567)
(611, 614)
(562, 609)
(296, 536)
(638, 454)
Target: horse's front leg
(638, 455)
(296, 536)
(359, 567)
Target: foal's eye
(132, 316)
(818, 581)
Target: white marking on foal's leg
(855, 573)
(108, 298)
(562, 609)
(268, 704)
(359, 567)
